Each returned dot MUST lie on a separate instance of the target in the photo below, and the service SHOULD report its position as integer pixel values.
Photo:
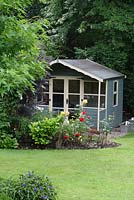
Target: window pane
(92, 101)
(115, 86)
(103, 88)
(74, 100)
(58, 85)
(46, 99)
(39, 97)
(91, 87)
(45, 86)
(102, 102)
(74, 86)
(115, 99)
(58, 100)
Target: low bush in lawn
(28, 187)
(7, 141)
(4, 197)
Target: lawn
(102, 174)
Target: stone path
(116, 132)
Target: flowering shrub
(106, 125)
(105, 129)
(29, 187)
(74, 131)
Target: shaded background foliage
(100, 30)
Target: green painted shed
(74, 80)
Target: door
(58, 95)
(73, 94)
(65, 94)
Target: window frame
(42, 93)
(115, 93)
(96, 94)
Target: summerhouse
(73, 80)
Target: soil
(91, 145)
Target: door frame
(66, 90)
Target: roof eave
(76, 69)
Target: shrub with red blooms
(81, 119)
(66, 137)
(77, 134)
(84, 113)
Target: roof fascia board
(75, 68)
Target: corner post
(98, 114)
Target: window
(42, 93)
(91, 93)
(58, 93)
(115, 93)
(73, 93)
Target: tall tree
(20, 41)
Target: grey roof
(89, 68)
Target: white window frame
(42, 93)
(101, 95)
(115, 93)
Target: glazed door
(65, 94)
(58, 95)
(73, 94)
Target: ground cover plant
(96, 174)
(28, 186)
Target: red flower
(84, 113)
(88, 117)
(81, 119)
(77, 134)
(66, 137)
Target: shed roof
(89, 68)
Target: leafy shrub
(4, 197)
(29, 187)
(21, 131)
(44, 131)
(7, 141)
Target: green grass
(102, 174)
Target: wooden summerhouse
(75, 80)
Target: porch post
(98, 114)
(50, 94)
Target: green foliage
(44, 131)
(99, 30)
(105, 130)
(29, 186)
(106, 125)
(7, 141)
(4, 197)
(21, 65)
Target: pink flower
(66, 137)
(88, 117)
(81, 119)
(84, 113)
(77, 134)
